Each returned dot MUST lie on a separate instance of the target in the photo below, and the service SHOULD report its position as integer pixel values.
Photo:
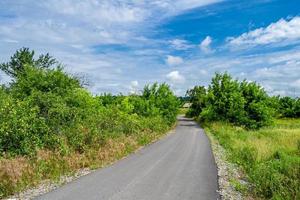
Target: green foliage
(278, 177)
(21, 129)
(46, 108)
(22, 57)
(243, 103)
(197, 96)
(269, 156)
(289, 107)
(163, 101)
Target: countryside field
(270, 157)
(52, 126)
(150, 99)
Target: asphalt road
(178, 167)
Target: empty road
(178, 167)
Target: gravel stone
(226, 172)
(47, 186)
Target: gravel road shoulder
(227, 173)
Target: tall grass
(270, 156)
(21, 172)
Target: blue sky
(122, 45)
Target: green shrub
(289, 107)
(197, 96)
(46, 108)
(242, 103)
(163, 100)
(21, 128)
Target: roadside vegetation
(260, 133)
(50, 125)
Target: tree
(243, 103)
(225, 98)
(162, 98)
(22, 57)
(289, 107)
(197, 97)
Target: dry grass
(20, 173)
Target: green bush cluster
(288, 107)
(45, 108)
(243, 103)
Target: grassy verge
(183, 111)
(20, 173)
(270, 157)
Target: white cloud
(134, 87)
(134, 83)
(9, 40)
(174, 60)
(176, 7)
(205, 45)
(180, 44)
(280, 31)
(175, 77)
(296, 84)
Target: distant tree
(197, 97)
(257, 109)
(287, 107)
(161, 97)
(225, 97)
(22, 57)
(243, 103)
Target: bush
(46, 108)
(289, 107)
(242, 103)
(21, 128)
(163, 101)
(197, 95)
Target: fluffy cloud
(134, 87)
(180, 44)
(174, 60)
(90, 36)
(296, 84)
(280, 31)
(175, 77)
(205, 45)
(134, 83)
(276, 71)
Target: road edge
(227, 172)
(50, 185)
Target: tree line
(243, 103)
(43, 107)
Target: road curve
(178, 167)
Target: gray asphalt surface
(178, 167)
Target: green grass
(269, 156)
(183, 111)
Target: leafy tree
(243, 103)
(225, 98)
(43, 80)
(15, 67)
(162, 97)
(288, 107)
(197, 97)
(258, 113)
